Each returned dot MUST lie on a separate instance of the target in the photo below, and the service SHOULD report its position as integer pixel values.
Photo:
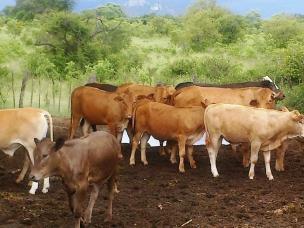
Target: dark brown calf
(87, 162)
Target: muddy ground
(159, 196)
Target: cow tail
(133, 119)
(207, 140)
(48, 115)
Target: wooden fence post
(22, 90)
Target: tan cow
(18, 128)
(99, 107)
(84, 163)
(263, 129)
(165, 122)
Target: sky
(266, 8)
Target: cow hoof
(45, 190)
(251, 177)
(173, 161)
(108, 218)
(181, 170)
(32, 192)
(216, 175)
(145, 163)
(279, 168)
(270, 178)
(18, 180)
(193, 166)
(132, 163)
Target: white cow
(18, 128)
(263, 129)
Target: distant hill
(140, 7)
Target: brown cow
(263, 129)
(87, 162)
(161, 94)
(252, 96)
(100, 108)
(165, 122)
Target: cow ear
(284, 109)
(205, 103)
(37, 141)
(254, 103)
(118, 98)
(274, 95)
(151, 96)
(58, 144)
(296, 116)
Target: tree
(283, 28)
(28, 9)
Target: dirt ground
(159, 196)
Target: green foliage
(110, 11)
(208, 44)
(294, 97)
(283, 29)
(28, 9)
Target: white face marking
(266, 78)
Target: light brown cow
(90, 161)
(99, 107)
(18, 128)
(165, 122)
(250, 96)
(263, 129)
(161, 94)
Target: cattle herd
(244, 114)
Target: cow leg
(30, 149)
(213, 148)
(74, 125)
(182, 153)
(255, 147)
(246, 154)
(26, 166)
(79, 199)
(161, 148)
(280, 154)
(46, 185)
(129, 132)
(111, 189)
(93, 198)
(119, 137)
(85, 128)
(135, 141)
(267, 156)
(190, 156)
(143, 143)
(173, 151)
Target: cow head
(163, 94)
(126, 102)
(46, 158)
(279, 95)
(299, 119)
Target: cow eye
(44, 155)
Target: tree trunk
(53, 92)
(39, 91)
(13, 90)
(32, 91)
(70, 91)
(22, 90)
(59, 102)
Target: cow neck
(63, 167)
